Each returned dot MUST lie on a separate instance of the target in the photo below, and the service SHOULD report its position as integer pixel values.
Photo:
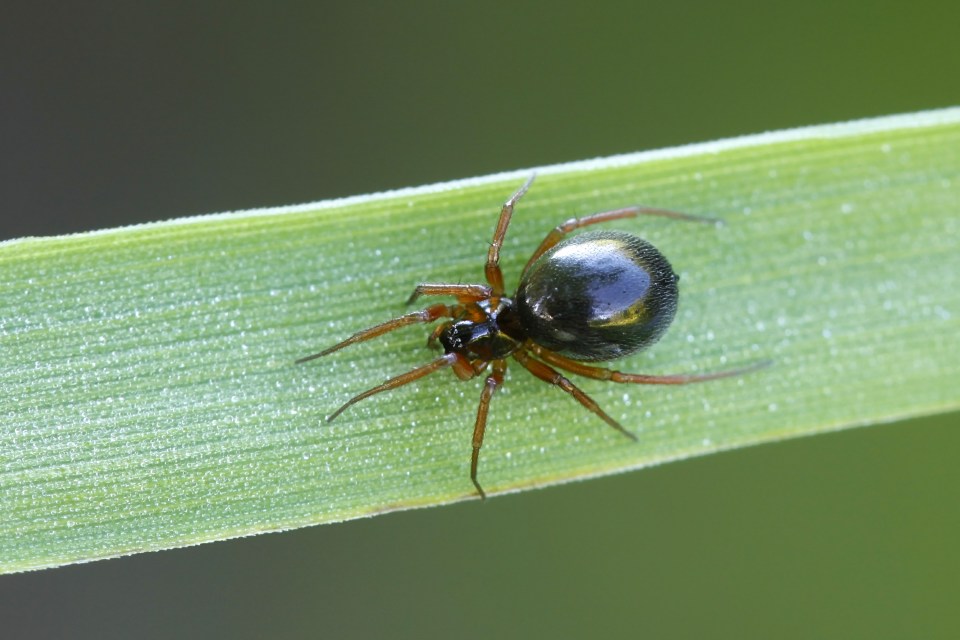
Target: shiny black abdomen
(598, 296)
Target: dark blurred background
(116, 113)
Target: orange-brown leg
(492, 270)
(557, 234)
(462, 292)
(600, 373)
(549, 374)
(461, 366)
(435, 335)
(424, 315)
(494, 380)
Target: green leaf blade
(151, 401)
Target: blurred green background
(113, 113)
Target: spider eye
(457, 337)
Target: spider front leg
(492, 268)
(423, 316)
(464, 293)
(461, 366)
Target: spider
(592, 297)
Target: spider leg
(494, 380)
(600, 373)
(434, 336)
(550, 375)
(461, 366)
(492, 269)
(463, 292)
(557, 234)
(424, 315)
